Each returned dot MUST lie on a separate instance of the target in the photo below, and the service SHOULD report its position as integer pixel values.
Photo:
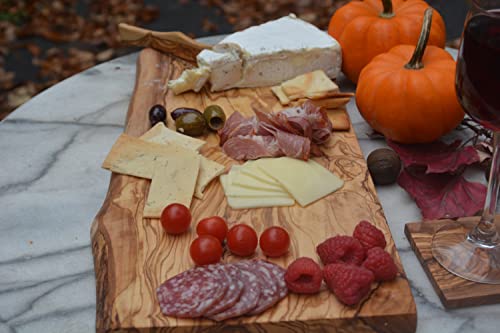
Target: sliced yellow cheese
(305, 181)
(251, 168)
(159, 133)
(235, 190)
(253, 202)
(239, 178)
(174, 181)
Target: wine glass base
(452, 248)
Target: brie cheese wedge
(270, 53)
(190, 79)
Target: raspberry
(369, 236)
(349, 283)
(341, 249)
(304, 276)
(381, 264)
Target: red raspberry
(304, 276)
(369, 236)
(349, 283)
(341, 249)
(381, 264)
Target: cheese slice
(251, 168)
(243, 180)
(246, 202)
(173, 181)
(305, 181)
(160, 133)
(209, 169)
(190, 79)
(240, 191)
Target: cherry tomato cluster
(241, 239)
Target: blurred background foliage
(45, 41)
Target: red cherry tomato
(175, 219)
(274, 242)
(205, 250)
(214, 226)
(242, 240)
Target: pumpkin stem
(418, 54)
(388, 12)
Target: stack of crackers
(317, 87)
(172, 162)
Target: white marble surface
(51, 186)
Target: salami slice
(191, 293)
(279, 273)
(235, 289)
(269, 292)
(248, 299)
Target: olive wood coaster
(453, 291)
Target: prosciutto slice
(295, 132)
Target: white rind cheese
(271, 53)
(268, 54)
(190, 79)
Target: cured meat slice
(248, 299)
(251, 147)
(279, 274)
(290, 132)
(290, 144)
(269, 292)
(234, 278)
(191, 293)
(237, 125)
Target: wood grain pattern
(133, 256)
(453, 291)
(173, 42)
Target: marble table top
(52, 185)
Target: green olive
(192, 124)
(215, 117)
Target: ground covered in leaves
(45, 41)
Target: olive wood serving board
(133, 255)
(453, 291)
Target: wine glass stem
(485, 232)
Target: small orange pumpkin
(410, 102)
(368, 28)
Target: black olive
(157, 114)
(191, 123)
(384, 166)
(215, 117)
(180, 111)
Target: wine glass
(475, 254)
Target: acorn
(384, 166)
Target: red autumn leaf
(443, 195)
(436, 157)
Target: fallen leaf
(443, 195)
(436, 157)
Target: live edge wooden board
(133, 256)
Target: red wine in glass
(478, 69)
(474, 254)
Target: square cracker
(310, 85)
(174, 181)
(209, 169)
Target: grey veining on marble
(51, 187)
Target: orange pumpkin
(368, 28)
(410, 102)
